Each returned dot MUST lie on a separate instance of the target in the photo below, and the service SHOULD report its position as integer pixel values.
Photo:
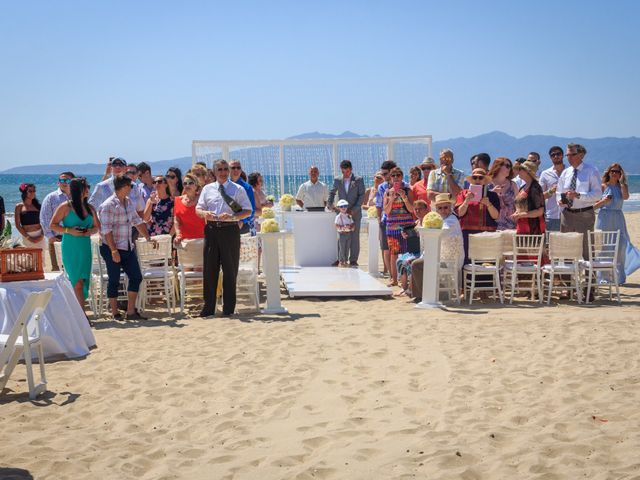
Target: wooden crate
(20, 264)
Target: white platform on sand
(332, 282)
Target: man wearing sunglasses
(49, 205)
(549, 181)
(579, 188)
(222, 204)
(235, 172)
(419, 189)
(105, 188)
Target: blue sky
(142, 79)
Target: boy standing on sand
(345, 226)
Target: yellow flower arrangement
(432, 220)
(270, 225)
(268, 213)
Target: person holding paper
(477, 207)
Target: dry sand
(343, 389)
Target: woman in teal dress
(611, 218)
(76, 220)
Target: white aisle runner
(332, 282)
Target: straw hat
(531, 168)
(479, 171)
(428, 161)
(443, 198)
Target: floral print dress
(161, 217)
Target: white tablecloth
(65, 330)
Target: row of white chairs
(519, 259)
(163, 281)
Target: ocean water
(9, 187)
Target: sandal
(118, 316)
(392, 284)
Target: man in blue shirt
(49, 205)
(235, 172)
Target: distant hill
(601, 151)
(184, 163)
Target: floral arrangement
(268, 213)
(5, 238)
(287, 200)
(432, 220)
(270, 225)
(372, 212)
(271, 198)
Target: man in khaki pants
(579, 188)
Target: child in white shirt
(344, 225)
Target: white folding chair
(190, 259)
(100, 279)
(485, 254)
(603, 257)
(25, 334)
(524, 265)
(247, 286)
(448, 279)
(565, 255)
(157, 271)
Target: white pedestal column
(374, 246)
(430, 287)
(272, 271)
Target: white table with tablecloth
(65, 329)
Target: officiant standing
(222, 205)
(349, 188)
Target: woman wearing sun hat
(529, 215)
(477, 207)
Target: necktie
(573, 185)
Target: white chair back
(603, 246)
(248, 252)
(190, 253)
(57, 247)
(565, 246)
(485, 247)
(154, 254)
(527, 248)
(507, 239)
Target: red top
(419, 190)
(191, 225)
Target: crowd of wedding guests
(217, 205)
(129, 203)
(498, 195)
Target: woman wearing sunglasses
(610, 218)
(158, 213)
(188, 225)
(501, 173)
(174, 180)
(477, 208)
(398, 205)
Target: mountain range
(601, 152)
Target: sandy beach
(343, 389)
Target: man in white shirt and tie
(579, 188)
(222, 205)
(312, 193)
